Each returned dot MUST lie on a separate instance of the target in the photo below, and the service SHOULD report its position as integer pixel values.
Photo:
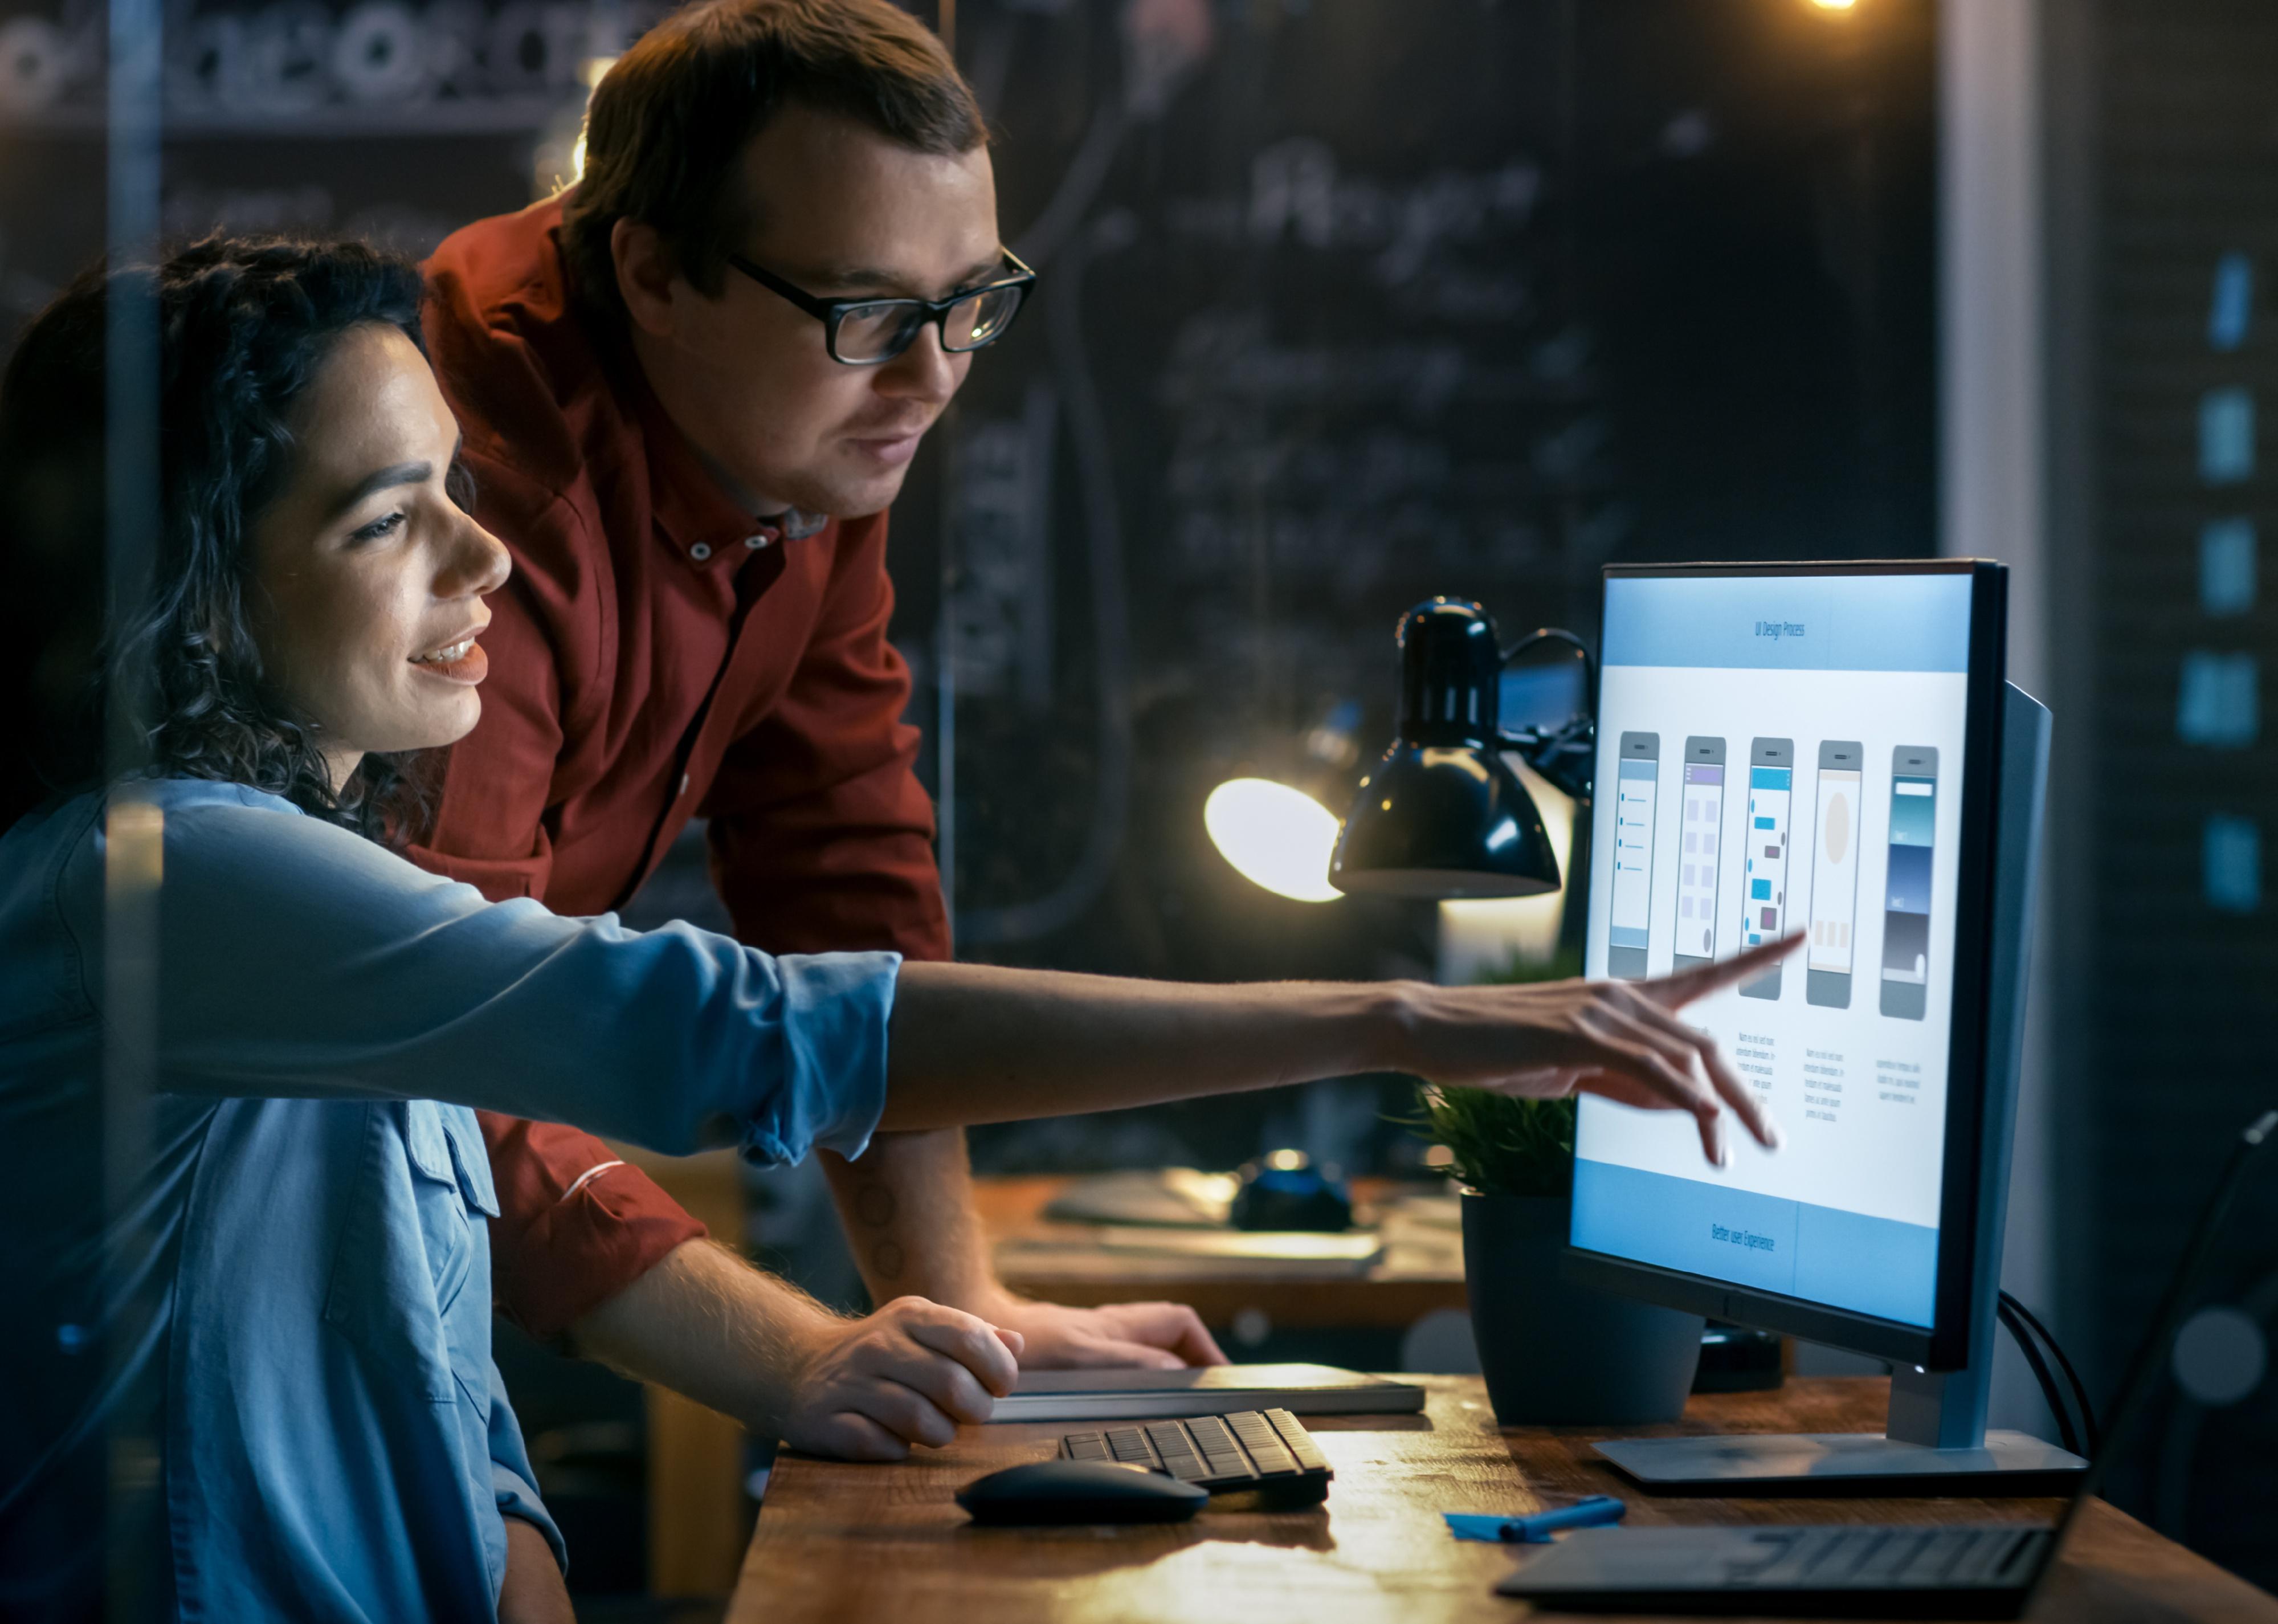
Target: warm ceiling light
(1275, 836)
(1835, 5)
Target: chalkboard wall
(1346, 304)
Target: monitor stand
(1935, 1441)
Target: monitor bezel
(1945, 1344)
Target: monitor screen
(1781, 753)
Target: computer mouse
(1080, 1491)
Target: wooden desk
(1408, 1283)
(837, 1542)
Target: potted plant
(1554, 1352)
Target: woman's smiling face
(370, 575)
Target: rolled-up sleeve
(575, 1224)
(833, 1029)
(302, 961)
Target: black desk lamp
(1442, 814)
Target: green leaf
(1501, 1145)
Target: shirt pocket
(411, 1246)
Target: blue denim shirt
(335, 1443)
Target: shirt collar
(792, 522)
(690, 498)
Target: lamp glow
(1275, 836)
(593, 71)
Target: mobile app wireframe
(1905, 895)
(1704, 834)
(1771, 790)
(1834, 874)
(1637, 793)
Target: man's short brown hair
(669, 122)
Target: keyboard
(1907, 1558)
(1858, 1571)
(1263, 1450)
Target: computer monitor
(1830, 749)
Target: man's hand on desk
(1144, 1335)
(914, 1221)
(908, 1374)
(706, 1324)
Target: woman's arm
(301, 960)
(532, 1592)
(976, 1043)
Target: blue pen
(1537, 1528)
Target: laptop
(1863, 1571)
(1207, 1389)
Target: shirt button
(684, 784)
(701, 551)
(755, 542)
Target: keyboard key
(1271, 1451)
(1939, 1557)
(2007, 1557)
(1832, 1553)
(1897, 1555)
(1298, 1441)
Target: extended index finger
(1675, 992)
(1727, 1081)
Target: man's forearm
(907, 1206)
(708, 1325)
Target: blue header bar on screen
(1789, 623)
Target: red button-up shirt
(659, 653)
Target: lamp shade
(1442, 814)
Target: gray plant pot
(1556, 1353)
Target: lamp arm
(1559, 634)
(1564, 755)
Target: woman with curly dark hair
(248, 327)
(316, 590)
(314, 1326)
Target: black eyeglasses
(872, 332)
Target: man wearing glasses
(691, 387)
